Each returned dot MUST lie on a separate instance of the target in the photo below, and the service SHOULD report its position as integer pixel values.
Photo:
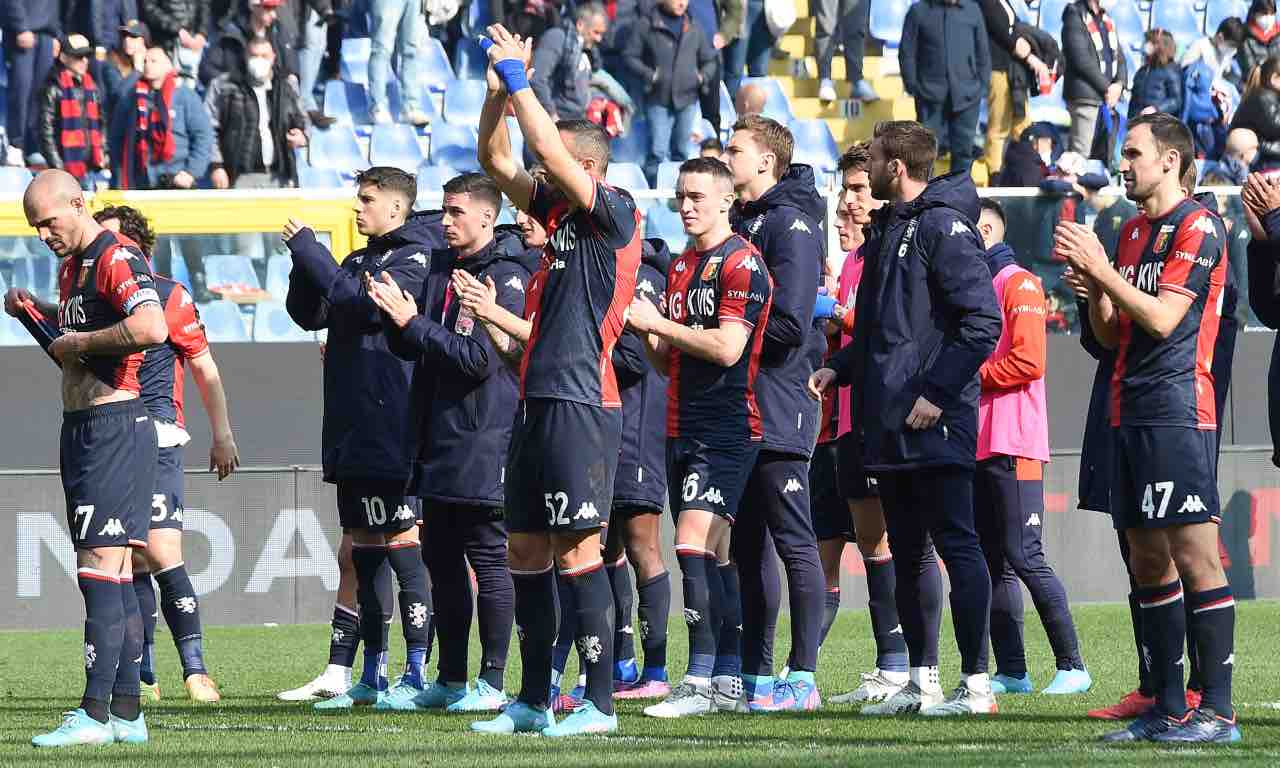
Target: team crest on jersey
(713, 266)
(679, 266)
(1133, 234)
(1162, 239)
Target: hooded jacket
(783, 226)
(927, 320)
(368, 433)
(464, 396)
(641, 480)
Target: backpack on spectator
(1197, 87)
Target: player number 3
(375, 510)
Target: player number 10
(1165, 490)
(375, 510)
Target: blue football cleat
(518, 717)
(1069, 681)
(482, 698)
(439, 695)
(1203, 727)
(1147, 727)
(401, 697)
(1011, 684)
(128, 731)
(359, 695)
(586, 720)
(77, 728)
(792, 694)
(625, 672)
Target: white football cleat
(877, 686)
(966, 699)
(332, 682)
(908, 701)
(686, 699)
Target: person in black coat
(1010, 48)
(1261, 198)
(1260, 112)
(1157, 85)
(1262, 36)
(1095, 73)
(672, 57)
(927, 320)
(946, 66)
(258, 20)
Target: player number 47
(1165, 490)
(557, 504)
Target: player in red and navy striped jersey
(559, 492)
(1158, 307)
(718, 297)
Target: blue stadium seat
(222, 321)
(336, 147)
(355, 60)
(454, 145)
(776, 104)
(632, 145)
(463, 100)
(628, 176)
(177, 261)
(668, 173)
(395, 145)
(271, 322)
(434, 70)
(1217, 10)
(14, 180)
(348, 103)
(728, 113)
(887, 17)
(229, 269)
(1131, 25)
(319, 178)
(431, 178)
(665, 223)
(706, 131)
(1023, 11)
(814, 145)
(35, 273)
(1050, 108)
(278, 267)
(1051, 16)
(1180, 18)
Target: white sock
(925, 677)
(979, 683)
(898, 678)
(337, 670)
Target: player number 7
(85, 511)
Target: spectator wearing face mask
(1157, 85)
(1262, 38)
(257, 122)
(259, 20)
(1218, 53)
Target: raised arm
(494, 147)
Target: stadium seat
(668, 172)
(705, 130)
(336, 148)
(1023, 11)
(462, 102)
(1051, 16)
(776, 104)
(1217, 10)
(35, 273)
(229, 269)
(278, 267)
(177, 261)
(1180, 18)
(434, 70)
(1131, 25)
(395, 145)
(319, 178)
(348, 103)
(814, 145)
(887, 17)
(271, 322)
(14, 180)
(222, 321)
(454, 145)
(665, 223)
(632, 145)
(1050, 108)
(728, 113)
(355, 59)
(628, 176)
(431, 178)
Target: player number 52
(557, 503)
(1165, 490)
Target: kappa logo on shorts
(793, 485)
(112, 528)
(712, 495)
(403, 512)
(1034, 520)
(587, 512)
(1192, 505)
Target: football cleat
(686, 699)
(201, 689)
(482, 698)
(401, 697)
(1011, 684)
(643, 689)
(360, 695)
(1069, 681)
(1147, 727)
(77, 728)
(1132, 705)
(876, 686)
(518, 717)
(908, 701)
(439, 695)
(790, 695)
(963, 700)
(586, 720)
(128, 732)
(334, 681)
(1204, 726)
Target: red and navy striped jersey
(726, 284)
(101, 287)
(1168, 382)
(587, 280)
(161, 372)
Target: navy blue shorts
(166, 499)
(108, 461)
(852, 478)
(377, 505)
(1164, 476)
(700, 476)
(561, 466)
(831, 516)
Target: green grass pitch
(40, 676)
